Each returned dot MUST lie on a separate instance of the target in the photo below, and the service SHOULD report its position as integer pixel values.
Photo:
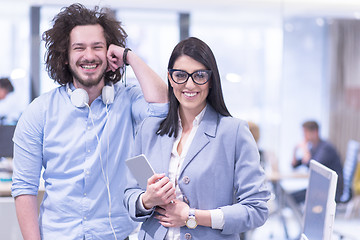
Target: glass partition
(247, 44)
(47, 13)
(152, 34)
(14, 52)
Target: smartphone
(141, 169)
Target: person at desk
(6, 87)
(81, 132)
(255, 131)
(208, 183)
(313, 147)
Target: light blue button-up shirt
(81, 151)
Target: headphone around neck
(80, 98)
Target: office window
(306, 83)
(47, 13)
(248, 48)
(14, 52)
(152, 35)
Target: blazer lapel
(166, 147)
(206, 131)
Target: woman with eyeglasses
(208, 183)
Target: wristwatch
(191, 221)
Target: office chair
(349, 169)
(6, 146)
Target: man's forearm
(27, 214)
(153, 87)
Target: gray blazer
(221, 170)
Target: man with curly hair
(81, 132)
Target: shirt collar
(197, 119)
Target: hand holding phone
(141, 169)
(159, 191)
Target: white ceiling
(348, 8)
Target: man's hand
(115, 57)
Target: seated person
(5, 87)
(268, 158)
(255, 131)
(313, 147)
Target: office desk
(5, 188)
(276, 176)
(283, 198)
(5, 191)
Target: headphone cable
(106, 176)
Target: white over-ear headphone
(79, 97)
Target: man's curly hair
(57, 39)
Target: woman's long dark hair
(201, 52)
(57, 39)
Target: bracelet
(125, 55)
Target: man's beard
(89, 82)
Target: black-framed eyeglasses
(199, 77)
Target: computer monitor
(320, 206)
(6, 143)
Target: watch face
(191, 223)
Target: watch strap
(191, 212)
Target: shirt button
(187, 236)
(89, 128)
(85, 194)
(84, 218)
(186, 180)
(88, 150)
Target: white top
(176, 161)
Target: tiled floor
(344, 228)
(348, 228)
